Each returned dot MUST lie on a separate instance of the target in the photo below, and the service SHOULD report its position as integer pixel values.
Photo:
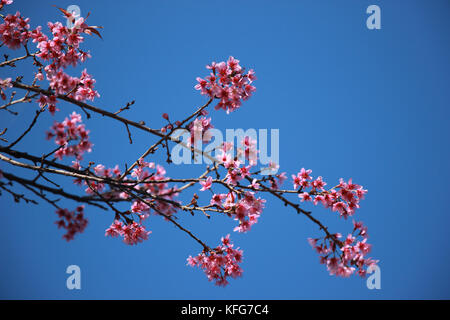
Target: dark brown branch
(38, 112)
(60, 192)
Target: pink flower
(115, 230)
(206, 184)
(245, 171)
(363, 247)
(318, 184)
(227, 83)
(305, 174)
(305, 196)
(4, 84)
(73, 221)
(135, 233)
(14, 31)
(296, 181)
(255, 185)
(273, 167)
(217, 199)
(219, 264)
(99, 169)
(339, 206)
(312, 242)
(70, 131)
(39, 76)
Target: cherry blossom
(206, 184)
(132, 234)
(228, 83)
(348, 257)
(73, 221)
(14, 31)
(199, 130)
(71, 137)
(221, 263)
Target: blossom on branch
(229, 83)
(221, 263)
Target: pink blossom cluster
(248, 151)
(73, 221)
(132, 233)
(245, 209)
(220, 263)
(276, 181)
(199, 130)
(49, 101)
(235, 172)
(343, 258)
(227, 82)
(343, 198)
(96, 186)
(150, 185)
(14, 31)
(61, 51)
(71, 130)
(4, 84)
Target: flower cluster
(227, 82)
(70, 130)
(343, 258)
(199, 130)
(220, 263)
(156, 190)
(94, 187)
(14, 31)
(73, 221)
(276, 181)
(343, 198)
(245, 209)
(61, 51)
(132, 233)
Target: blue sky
(348, 101)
